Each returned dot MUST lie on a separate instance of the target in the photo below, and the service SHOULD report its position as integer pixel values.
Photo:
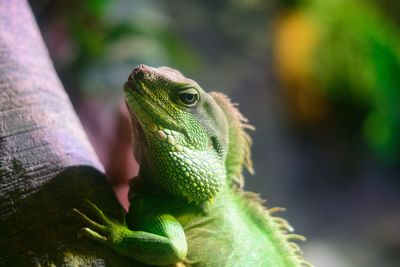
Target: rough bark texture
(47, 165)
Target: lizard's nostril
(139, 71)
(137, 74)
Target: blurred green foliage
(356, 62)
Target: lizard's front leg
(160, 240)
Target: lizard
(187, 205)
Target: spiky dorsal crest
(239, 153)
(284, 231)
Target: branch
(47, 166)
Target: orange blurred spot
(295, 39)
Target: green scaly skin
(187, 206)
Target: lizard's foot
(106, 231)
(166, 246)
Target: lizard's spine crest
(264, 216)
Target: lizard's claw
(97, 212)
(88, 221)
(92, 235)
(101, 231)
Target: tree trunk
(47, 166)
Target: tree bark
(47, 166)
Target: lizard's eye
(189, 97)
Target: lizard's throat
(195, 176)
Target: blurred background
(320, 80)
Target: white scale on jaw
(159, 133)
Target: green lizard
(187, 206)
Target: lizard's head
(181, 132)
